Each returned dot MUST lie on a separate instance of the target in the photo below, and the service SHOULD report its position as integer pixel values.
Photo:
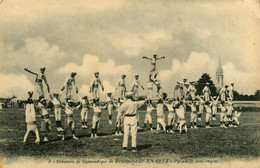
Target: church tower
(219, 76)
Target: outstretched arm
(27, 70)
(105, 106)
(141, 85)
(144, 57)
(51, 96)
(65, 83)
(160, 58)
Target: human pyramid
(176, 121)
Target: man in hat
(55, 98)
(30, 118)
(38, 81)
(69, 119)
(159, 89)
(135, 86)
(150, 90)
(110, 106)
(69, 83)
(95, 86)
(223, 93)
(192, 91)
(180, 92)
(84, 104)
(45, 122)
(121, 87)
(206, 92)
(129, 109)
(231, 91)
(153, 71)
(97, 109)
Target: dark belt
(130, 115)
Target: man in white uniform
(38, 81)
(231, 92)
(69, 84)
(55, 98)
(129, 108)
(95, 85)
(30, 118)
(192, 91)
(121, 87)
(206, 92)
(135, 86)
(153, 70)
(150, 90)
(223, 93)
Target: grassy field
(241, 143)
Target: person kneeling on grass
(236, 114)
(30, 118)
(69, 120)
(96, 117)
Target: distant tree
(201, 83)
(257, 95)
(237, 96)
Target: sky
(112, 36)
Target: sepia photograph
(141, 83)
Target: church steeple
(219, 69)
(219, 76)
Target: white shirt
(193, 108)
(192, 89)
(68, 110)
(69, 81)
(120, 83)
(150, 86)
(30, 115)
(96, 109)
(208, 109)
(169, 107)
(42, 109)
(160, 108)
(130, 107)
(136, 83)
(149, 109)
(206, 90)
(95, 83)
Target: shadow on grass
(142, 147)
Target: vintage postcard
(141, 83)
